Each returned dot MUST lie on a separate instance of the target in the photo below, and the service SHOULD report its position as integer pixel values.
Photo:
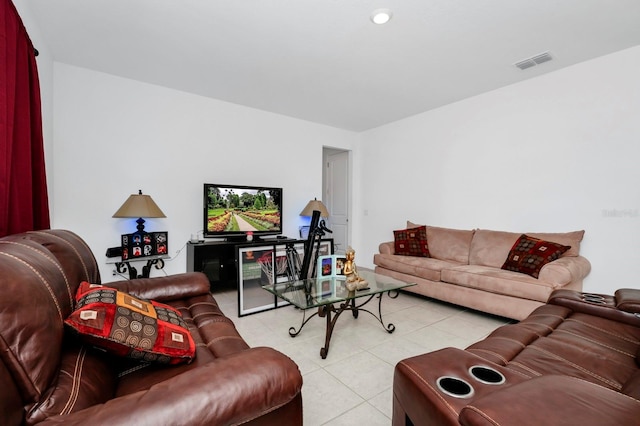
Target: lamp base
(140, 226)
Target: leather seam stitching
(604, 331)
(578, 367)
(75, 384)
(43, 281)
(595, 342)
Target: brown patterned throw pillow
(528, 255)
(411, 242)
(127, 326)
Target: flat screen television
(232, 210)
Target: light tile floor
(353, 385)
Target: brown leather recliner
(48, 377)
(572, 361)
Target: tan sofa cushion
(422, 267)
(447, 243)
(491, 248)
(499, 281)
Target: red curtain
(24, 202)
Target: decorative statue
(353, 281)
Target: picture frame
(255, 269)
(330, 266)
(144, 244)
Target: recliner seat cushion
(556, 340)
(87, 377)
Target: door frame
(326, 152)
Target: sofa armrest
(600, 305)
(388, 247)
(230, 390)
(165, 289)
(628, 299)
(552, 400)
(565, 270)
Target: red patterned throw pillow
(124, 325)
(528, 255)
(411, 242)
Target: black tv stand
(217, 259)
(225, 263)
(237, 239)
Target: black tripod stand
(317, 230)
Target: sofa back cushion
(34, 303)
(38, 279)
(491, 248)
(71, 251)
(449, 244)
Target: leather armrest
(552, 400)
(164, 289)
(593, 304)
(230, 390)
(628, 299)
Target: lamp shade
(139, 205)
(315, 205)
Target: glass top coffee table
(331, 298)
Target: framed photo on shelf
(330, 266)
(143, 244)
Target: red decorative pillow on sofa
(127, 326)
(411, 242)
(528, 255)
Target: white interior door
(336, 197)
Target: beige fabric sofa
(464, 268)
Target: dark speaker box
(114, 251)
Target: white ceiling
(324, 60)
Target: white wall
(114, 136)
(555, 153)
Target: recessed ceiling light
(381, 16)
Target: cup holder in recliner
(455, 387)
(487, 375)
(593, 298)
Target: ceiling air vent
(534, 60)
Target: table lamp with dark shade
(139, 205)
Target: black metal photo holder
(317, 231)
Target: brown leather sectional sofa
(573, 361)
(48, 376)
